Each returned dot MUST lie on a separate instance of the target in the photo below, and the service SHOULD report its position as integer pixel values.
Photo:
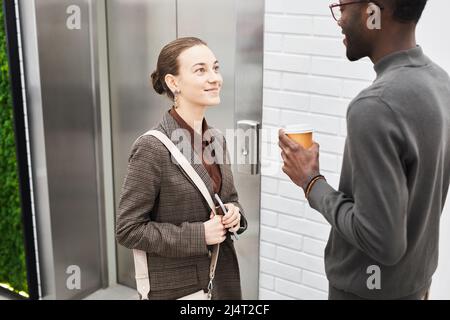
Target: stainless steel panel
(105, 115)
(137, 30)
(215, 23)
(70, 132)
(234, 32)
(37, 141)
(248, 105)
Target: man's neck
(394, 44)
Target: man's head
(406, 11)
(359, 19)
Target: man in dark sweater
(395, 176)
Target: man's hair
(407, 10)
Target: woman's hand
(232, 219)
(214, 230)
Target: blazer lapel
(174, 132)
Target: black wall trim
(21, 147)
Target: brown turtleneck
(213, 169)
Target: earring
(175, 98)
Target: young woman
(161, 211)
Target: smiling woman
(161, 212)
(194, 83)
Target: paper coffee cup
(301, 133)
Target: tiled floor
(2, 297)
(117, 292)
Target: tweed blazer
(162, 212)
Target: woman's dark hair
(408, 10)
(168, 62)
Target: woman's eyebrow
(199, 64)
(203, 64)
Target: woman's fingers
(231, 220)
(231, 214)
(236, 220)
(214, 230)
(235, 228)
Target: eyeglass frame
(334, 5)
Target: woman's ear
(171, 82)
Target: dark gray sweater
(394, 181)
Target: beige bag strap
(141, 273)
(140, 257)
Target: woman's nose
(214, 77)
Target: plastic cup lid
(299, 128)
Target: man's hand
(300, 164)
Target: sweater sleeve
(140, 190)
(374, 217)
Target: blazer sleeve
(140, 191)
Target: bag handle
(140, 257)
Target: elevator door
(137, 30)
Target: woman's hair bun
(156, 82)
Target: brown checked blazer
(161, 211)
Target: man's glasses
(336, 7)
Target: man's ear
(171, 82)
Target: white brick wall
(307, 78)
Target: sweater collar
(412, 58)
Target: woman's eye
(216, 68)
(200, 70)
